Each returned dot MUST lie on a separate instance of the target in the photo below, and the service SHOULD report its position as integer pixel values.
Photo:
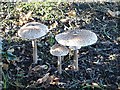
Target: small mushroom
(76, 38)
(59, 50)
(32, 31)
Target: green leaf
(51, 40)
(8, 55)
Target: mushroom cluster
(32, 31)
(76, 39)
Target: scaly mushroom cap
(59, 50)
(76, 37)
(33, 30)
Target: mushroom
(59, 51)
(32, 31)
(76, 38)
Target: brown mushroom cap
(33, 30)
(59, 50)
(76, 37)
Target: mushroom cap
(59, 50)
(76, 37)
(32, 30)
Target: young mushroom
(32, 31)
(76, 38)
(59, 51)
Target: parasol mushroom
(59, 50)
(76, 38)
(32, 31)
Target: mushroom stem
(34, 45)
(59, 64)
(76, 60)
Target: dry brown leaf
(36, 68)
(70, 67)
(95, 84)
(72, 13)
(54, 25)
(28, 15)
(24, 18)
(43, 79)
(5, 66)
(65, 20)
(118, 39)
(111, 13)
(54, 80)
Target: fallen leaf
(65, 20)
(111, 13)
(72, 13)
(24, 18)
(54, 80)
(54, 25)
(43, 79)
(5, 66)
(28, 15)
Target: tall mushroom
(75, 38)
(59, 50)
(32, 31)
